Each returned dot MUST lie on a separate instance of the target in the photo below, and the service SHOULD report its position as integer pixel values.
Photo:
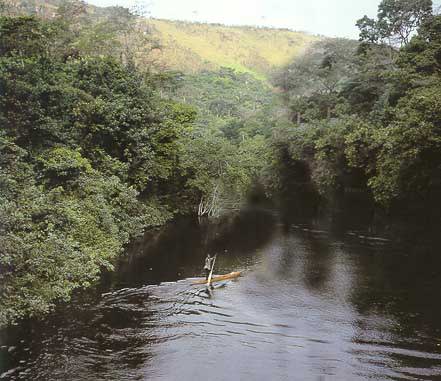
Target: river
(334, 297)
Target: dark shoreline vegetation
(96, 145)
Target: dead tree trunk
(210, 206)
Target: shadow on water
(43, 349)
(327, 294)
(394, 265)
(179, 250)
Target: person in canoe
(209, 260)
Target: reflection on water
(330, 298)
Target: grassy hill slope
(192, 47)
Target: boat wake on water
(302, 310)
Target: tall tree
(396, 21)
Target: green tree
(80, 138)
(312, 82)
(396, 21)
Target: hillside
(192, 47)
(186, 46)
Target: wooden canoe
(219, 278)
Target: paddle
(211, 272)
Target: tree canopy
(95, 148)
(383, 132)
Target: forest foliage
(81, 139)
(98, 142)
(95, 148)
(367, 114)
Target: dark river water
(336, 297)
